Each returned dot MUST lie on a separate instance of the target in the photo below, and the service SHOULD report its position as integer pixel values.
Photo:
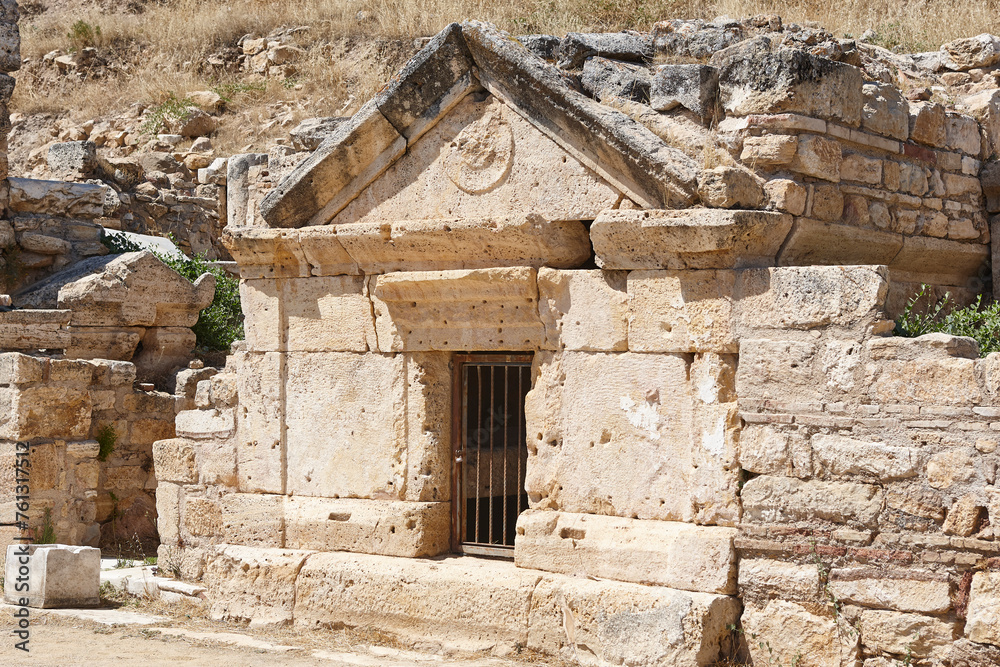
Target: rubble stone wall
(60, 408)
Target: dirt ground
(173, 635)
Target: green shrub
(48, 531)
(219, 325)
(173, 107)
(107, 438)
(81, 34)
(921, 316)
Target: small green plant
(171, 108)
(922, 316)
(107, 438)
(221, 323)
(149, 561)
(47, 534)
(81, 34)
(290, 83)
(229, 91)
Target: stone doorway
(491, 453)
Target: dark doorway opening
(490, 450)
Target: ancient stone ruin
(624, 328)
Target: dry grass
(353, 46)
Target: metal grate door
(490, 450)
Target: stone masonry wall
(59, 407)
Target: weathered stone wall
(59, 407)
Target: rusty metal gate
(490, 450)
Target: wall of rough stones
(59, 407)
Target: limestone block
(764, 449)
(216, 463)
(628, 623)
(769, 150)
(861, 169)
(189, 560)
(885, 111)
(768, 499)
(819, 157)
(965, 653)
(788, 633)
(848, 457)
(694, 87)
(382, 527)
(260, 456)
(810, 297)
(169, 497)
(656, 553)
(971, 52)
(34, 330)
(775, 369)
(427, 245)
(827, 203)
(345, 425)
(165, 349)
(206, 424)
(44, 245)
(252, 584)
(275, 253)
(730, 187)
(766, 578)
(964, 516)
(253, 519)
(580, 431)
(900, 590)
(469, 602)
(816, 242)
(583, 310)
(478, 309)
(117, 343)
(906, 634)
(962, 133)
(310, 133)
(325, 253)
(947, 381)
(928, 124)
(173, 461)
(56, 198)
(605, 79)
(482, 160)
(73, 160)
(786, 195)
(264, 325)
(237, 189)
(687, 239)
(144, 432)
(137, 289)
(429, 456)
(681, 311)
(326, 314)
(45, 411)
(202, 518)
(17, 368)
(58, 575)
(984, 608)
(985, 108)
(791, 81)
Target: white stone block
(54, 575)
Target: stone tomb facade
(716, 427)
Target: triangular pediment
(482, 160)
(397, 158)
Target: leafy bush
(172, 107)
(47, 534)
(107, 438)
(920, 316)
(81, 34)
(221, 323)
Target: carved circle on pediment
(482, 153)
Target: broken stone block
(786, 195)
(769, 150)
(118, 343)
(34, 329)
(972, 52)
(173, 461)
(694, 87)
(576, 47)
(984, 608)
(253, 585)
(603, 79)
(583, 310)
(206, 424)
(543, 46)
(927, 124)
(964, 516)
(137, 289)
(904, 634)
(768, 499)
(687, 239)
(73, 160)
(900, 590)
(791, 81)
(819, 157)
(767, 578)
(57, 198)
(985, 108)
(885, 111)
(193, 124)
(311, 132)
(57, 575)
(656, 553)
(848, 457)
(730, 187)
(784, 631)
(381, 527)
